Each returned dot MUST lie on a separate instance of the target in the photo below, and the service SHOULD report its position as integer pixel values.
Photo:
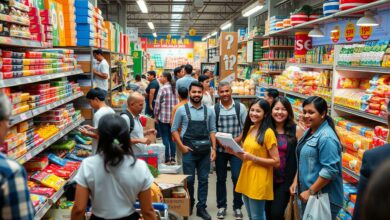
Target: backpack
(131, 119)
(217, 110)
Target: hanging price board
(365, 32)
(349, 32)
(335, 34)
(228, 52)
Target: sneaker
(238, 214)
(221, 213)
(203, 214)
(173, 161)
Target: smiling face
(256, 114)
(279, 113)
(225, 93)
(196, 94)
(312, 117)
(206, 84)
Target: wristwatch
(312, 191)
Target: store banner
(349, 32)
(228, 51)
(170, 43)
(132, 32)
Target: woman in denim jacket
(319, 157)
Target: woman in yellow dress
(260, 156)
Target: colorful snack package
(49, 180)
(43, 191)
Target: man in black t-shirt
(151, 93)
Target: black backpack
(237, 107)
(131, 119)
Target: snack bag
(49, 180)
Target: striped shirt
(165, 102)
(15, 200)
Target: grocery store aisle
(212, 199)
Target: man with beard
(197, 143)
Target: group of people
(280, 158)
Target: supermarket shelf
(295, 94)
(32, 79)
(37, 150)
(34, 112)
(351, 173)
(306, 65)
(116, 86)
(45, 208)
(18, 42)
(360, 114)
(264, 85)
(278, 47)
(215, 47)
(14, 19)
(273, 59)
(326, 19)
(372, 69)
(258, 38)
(242, 64)
(242, 42)
(272, 72)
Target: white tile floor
(212, 199)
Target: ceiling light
(253, 8)
(151, 25)
(214, 33)
(316, 32)
(334, 30)
(154, 34)
(142, 6)
(367, 20)
(205, 37)
(226, 25)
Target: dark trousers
(275, 209)
(134, 216)
(170, 146)
(201, 164)
(221, 163)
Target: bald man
(135, 105)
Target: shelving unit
(312, 66)
(360, 114)
(364, 69)
(351, 173)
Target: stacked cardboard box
(84, 23)
(70, 23)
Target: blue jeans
(170, 146)
(200, 163)
(221, 168)
(255, 208)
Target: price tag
(349, 32)
(365, 32)
(28, 156)
(23, 116)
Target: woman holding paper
(287, 133)
(260, 156)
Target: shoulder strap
(217, 109)
(187, 111)
(237, 106)
(131, 118)
(205, 113)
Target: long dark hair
(265, 124)
(170, 80)
(289, 124)
(322, 107)
(114, 140)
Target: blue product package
(85, 35)
(84, 12)
(56, 160)
(83, 20)
(343, 215)
(85, 27)
(331, 7)
(83, 4)
(85, 42)
(349, 190)
(73, 157)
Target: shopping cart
(161, 210)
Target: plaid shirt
(165, 102)
(15, 203)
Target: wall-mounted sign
(349, 32)
(228, 52)
(335, 34)
(132, 32)
(170, 43)
(365, 32)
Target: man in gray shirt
(187, 79)
(102, 72)
(198, 144)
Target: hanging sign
(365, 32)
(349, 32)
(302, 44)
(335, 34)
(228, 53)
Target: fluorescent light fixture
(253, 8)
(334, 30)
(205, 37)
(151, 25)
(214, 33)
(368, 20)
(142, 6)
(226, 25)
(154, 34)
(316, 32)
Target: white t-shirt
(114, 193)
(207, 100)
(138, 132)
(103, 67)
(95, 122)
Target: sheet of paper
(227, 140)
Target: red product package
(59, 172)
(43, 191)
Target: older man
(15, 200)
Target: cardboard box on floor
(150, 125)
(180, 206)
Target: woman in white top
(113, 178)
(208, 93)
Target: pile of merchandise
(248, 87)
(365, 54)
(350, 192)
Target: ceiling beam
(205, 3)
(182, 13)
(170, 19)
